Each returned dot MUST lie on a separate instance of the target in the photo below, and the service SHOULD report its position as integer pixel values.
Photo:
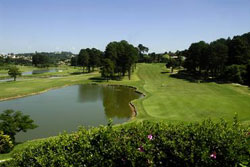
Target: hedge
(144, 144)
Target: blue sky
(161, 25)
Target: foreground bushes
(144, 144)
(5, 143)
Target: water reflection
(89, 93)
(116, 101)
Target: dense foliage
(144, 144)
(12, 122)
(123, 57)
(5, 143)
(223, 59)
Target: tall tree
(218, 57)
(107, 69)
(239, 52)
(83, 59)
(94, 58)
(142, 51)
(195, 55)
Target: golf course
(167, 98)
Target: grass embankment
(167, 98)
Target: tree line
(46, 59)
(222, 59)
(118, 59)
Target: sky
(161, 25)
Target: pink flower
(213, 155)
(141, 149)
(150, 137)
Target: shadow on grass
(101, 79)
(97, 79)
(197, 78)
(165, 72)
(78, 73)
(194, 78)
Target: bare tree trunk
(129, 73)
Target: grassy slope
(180, 100)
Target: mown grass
(180, 100)
(167, 99)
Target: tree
(123, 56)
(248, 74)
(14, 72)
(171, 63)
(142, 50)
(41, 59)
(12, 122)
(73, 61)
(83, 58)
(107, 69)
(1, 61)
(218, 57)
(94, 58)
(195, 55)
(239, 51)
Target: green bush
(144, 144)
(5, 143)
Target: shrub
(5, 143)
(144, 144)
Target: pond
(40, 71)
(29, 73)
(67, 108)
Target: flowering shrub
(5, 143)
(144, 144)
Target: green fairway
(180, 100)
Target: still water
(67, 108)
(39, 71)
